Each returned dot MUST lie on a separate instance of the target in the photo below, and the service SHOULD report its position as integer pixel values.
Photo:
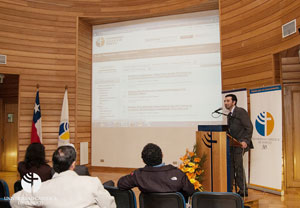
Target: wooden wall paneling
(40, 45)
(84, 78)
(117, 11)
(42, 9)
(251, 30)
(249, 73)
(252, 45)
(35, 42)
(277, 68)
(246, 33)
(35, 18)
(235, 8)
(249, 21)
(290, 70)
(251, 42)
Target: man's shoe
(242, 194)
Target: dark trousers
(237, 170)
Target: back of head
(152, 155)
(35, 155)
(63, 158)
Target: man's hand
(244, 145)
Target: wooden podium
(212, 140)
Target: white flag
(64, 133)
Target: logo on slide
(264, 123)
(100, 42)
(31, 182)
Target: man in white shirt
(66, 188)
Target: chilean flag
(36, 130)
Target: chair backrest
(123, 198)
(216, 200)
(4, 203)
(162, 200)
(4, 191)
(82, 170)
(109, 183)
(17, 186)
(4, 194)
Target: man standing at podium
(240, 128)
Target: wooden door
(292, 134)
(10, 145)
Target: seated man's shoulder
(91, 179)
(177, 171)
(165, 168)
(170, 167)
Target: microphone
(216, 111)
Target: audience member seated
(82, 170)
(35, 162)
(79, 169)
(156, 176)
(66, 188)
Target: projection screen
(154, 80)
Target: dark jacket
(158, 179)
(44, 171)
(240, 127)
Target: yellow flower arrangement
(192, 166)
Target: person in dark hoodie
(156, 176)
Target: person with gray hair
(66, 188)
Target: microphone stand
(220, 113)
(223, 114)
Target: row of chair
(4, 194)
(126, 199)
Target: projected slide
(157, 72)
